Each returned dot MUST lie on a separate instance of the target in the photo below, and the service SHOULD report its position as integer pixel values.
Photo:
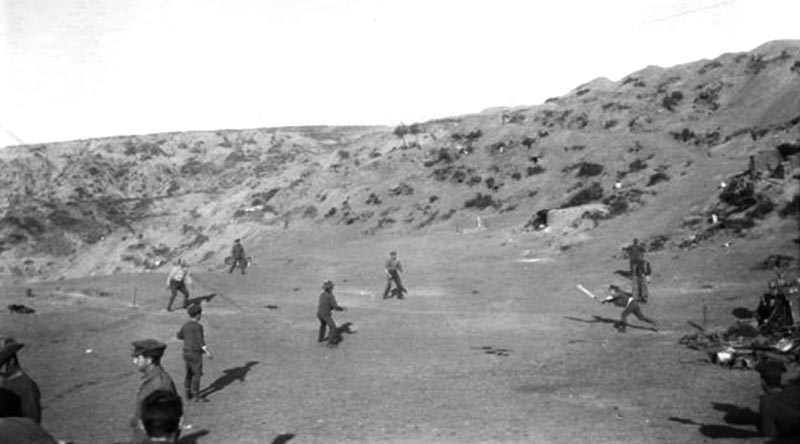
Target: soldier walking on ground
(392, 270)
(327, 303)
(237, 253)
(194, 346)
(14, 379)
(631, 303)
(178, 279)
(147, 356)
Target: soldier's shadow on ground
(623, 273)
(601, 320)
(282, 438)
(230, 376)
(200, 299)
(192, 437)
(734, 415)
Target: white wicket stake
(588, 293)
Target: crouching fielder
(632, 304)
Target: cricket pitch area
(485, 348)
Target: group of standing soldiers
(147, 354)
(157, 397)
(20, 398)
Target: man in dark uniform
(635, 254)
(640, 276)
(161, 416)
(16, 428)
(14, 379)
(178, 279)
(392, 270)
(327, 303)
(194, 346)
(237, 253)
(147, 355)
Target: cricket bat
(588, 293)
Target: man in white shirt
(178, 279)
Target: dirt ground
(487, 347)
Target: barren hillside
(497, 216)
(647, 153)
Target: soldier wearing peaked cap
(147, 355)
(14, 379)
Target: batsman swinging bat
(588, 293)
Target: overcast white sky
(73, 69)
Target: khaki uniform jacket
(154, 378)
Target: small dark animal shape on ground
(492, 350)
(347, 327)
(272, 307)
(19, 308)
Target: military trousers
(174, 288)
(194, 370)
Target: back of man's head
(10, 404)
(161, 414)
